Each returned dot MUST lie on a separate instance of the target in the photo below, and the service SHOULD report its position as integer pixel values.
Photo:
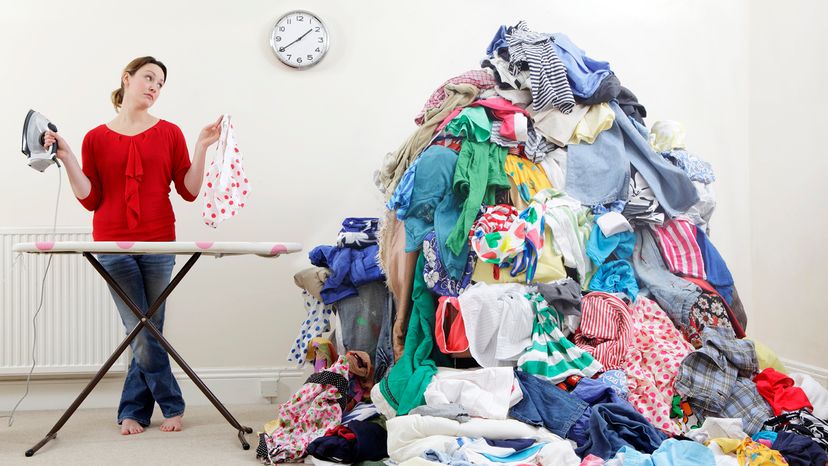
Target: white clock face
(299, 39)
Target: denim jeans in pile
(361, 317)
(149, 379)
(384, 357)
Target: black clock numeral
(298, 59)
(310, 57)
(281, 29)
(278, 38)
(317, 50)
(300, 18)
(321, 40)
(318, 29)
(289, 55)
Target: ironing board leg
(86, 391)
(196, 380)
(143, 322)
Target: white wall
(788, 164)
(313, 138)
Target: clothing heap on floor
(542, 289)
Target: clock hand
(295, 41)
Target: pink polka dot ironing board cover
(210, 248)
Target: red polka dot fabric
(226, 184)
(652, 363)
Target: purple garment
(436, 277)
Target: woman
(128, 166)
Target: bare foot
(130, 426)
(172, 424)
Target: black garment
(801, 422)
(370, 444)
(564, 296)
(329, 378)
(609, 89)
(629, 104)
(799, 450)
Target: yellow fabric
(767, 358)
(667, 135)
(750, 453)
(527, 179)
(550, 267)
(598, 118)
(728, 445)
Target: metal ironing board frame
(144, 323)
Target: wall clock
(299, 39)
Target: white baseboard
(820, 374)
(230, 385)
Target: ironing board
(194, 249)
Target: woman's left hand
(209, 134)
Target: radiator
(78, 326)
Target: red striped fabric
(605, 330)
(677, 241)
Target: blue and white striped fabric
(549, 85)
(537, 146)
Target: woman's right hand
(63, 150)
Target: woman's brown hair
(131, 68)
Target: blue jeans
(544, 404)
(149, 378)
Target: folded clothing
(358, 232)
(349, 268)
(312, 280)
(409, 436)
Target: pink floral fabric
(308, 414)
(652, 362)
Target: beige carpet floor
(91, 437)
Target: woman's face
(143, 88)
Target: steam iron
(34, 129)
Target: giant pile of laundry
(544, 289)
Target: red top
(131, 178)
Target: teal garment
(445, 218)
(599, 247)
(434, 207)
(471, 123)
(478, 175)
(765, 434)
(406, 382)
(432, 186)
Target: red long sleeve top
(131, 177)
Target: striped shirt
(605, 330)
(677, 241)
(552, 355)
(547, 74)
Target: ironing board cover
(209, 248)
